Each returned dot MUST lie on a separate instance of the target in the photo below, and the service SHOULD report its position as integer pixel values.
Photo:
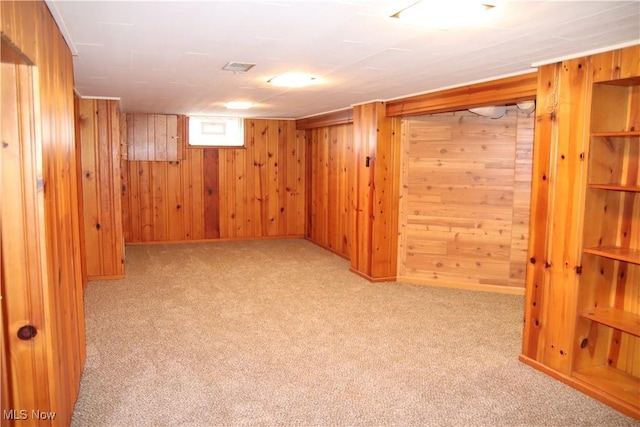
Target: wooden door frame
(26, 362)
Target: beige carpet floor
(280, 333)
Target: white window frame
(216, 131)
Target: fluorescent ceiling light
(444, 14)
(239, 105)
(292, 80)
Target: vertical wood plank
(100, 159)
(187, 194)
(146, 202)
(23, 240)
(374, 231)
(160, 137)
(548, 77)
(364, 142)
(198, 215)
(211, 191)
(90, 185)
(175, 201)
(239, 191)
(567, 180)
(159, 201)
(173, 138)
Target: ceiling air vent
(238, 67)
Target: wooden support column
(375, 192)
(99, 148)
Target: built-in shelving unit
(582, 310)
(607, 338)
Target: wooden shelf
(617, 133)
(617, 253)
(616, 187)
(613, 382)
(615, 318)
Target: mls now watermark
(23, 414)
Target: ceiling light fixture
(443, 14)
(238, 67)
(239, 105)
(292, 80)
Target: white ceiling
(166, 57)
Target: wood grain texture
(330, 159)
(567, 180)
(23, 241)
(465, 198)
(583, 278)
(376, 173)
(30, 28)
(255, 191)
(153, 137)
(496, 92)
(335, 118)
(539, 212)
(99, 134)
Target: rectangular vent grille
(238, 67)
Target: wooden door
(24, 336)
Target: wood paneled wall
(562, 129)
(52, 384)
(465, 199)
(153, 137)
(99, 142)
(508, 90)
(330, 163)
(376, 185)
(249, 192)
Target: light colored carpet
(279, 333)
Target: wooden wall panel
(562, 279)
(99, 134)
(330, 161)
(153, 137)
(254, 191)
(30, 27)
(375, 184)
(211, 193)
(465, 199)
(23, 241)
(262, 184)
(504, 91)
(521, 199)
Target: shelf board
(619, 319)
(612, 381)
(616, 187)
(617, 133)
(617, 253)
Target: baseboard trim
(222, 239)
(467, 286)
(112, 277)
(315, 242)
(589, 390)
(372, 279)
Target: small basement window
(216, 131)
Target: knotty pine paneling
(152, 137)
(254, 191)
(376, 173)
(465, 199)
(495, 92)
(99, 134)
(330, 164)
(262, 185)
(56, 303)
